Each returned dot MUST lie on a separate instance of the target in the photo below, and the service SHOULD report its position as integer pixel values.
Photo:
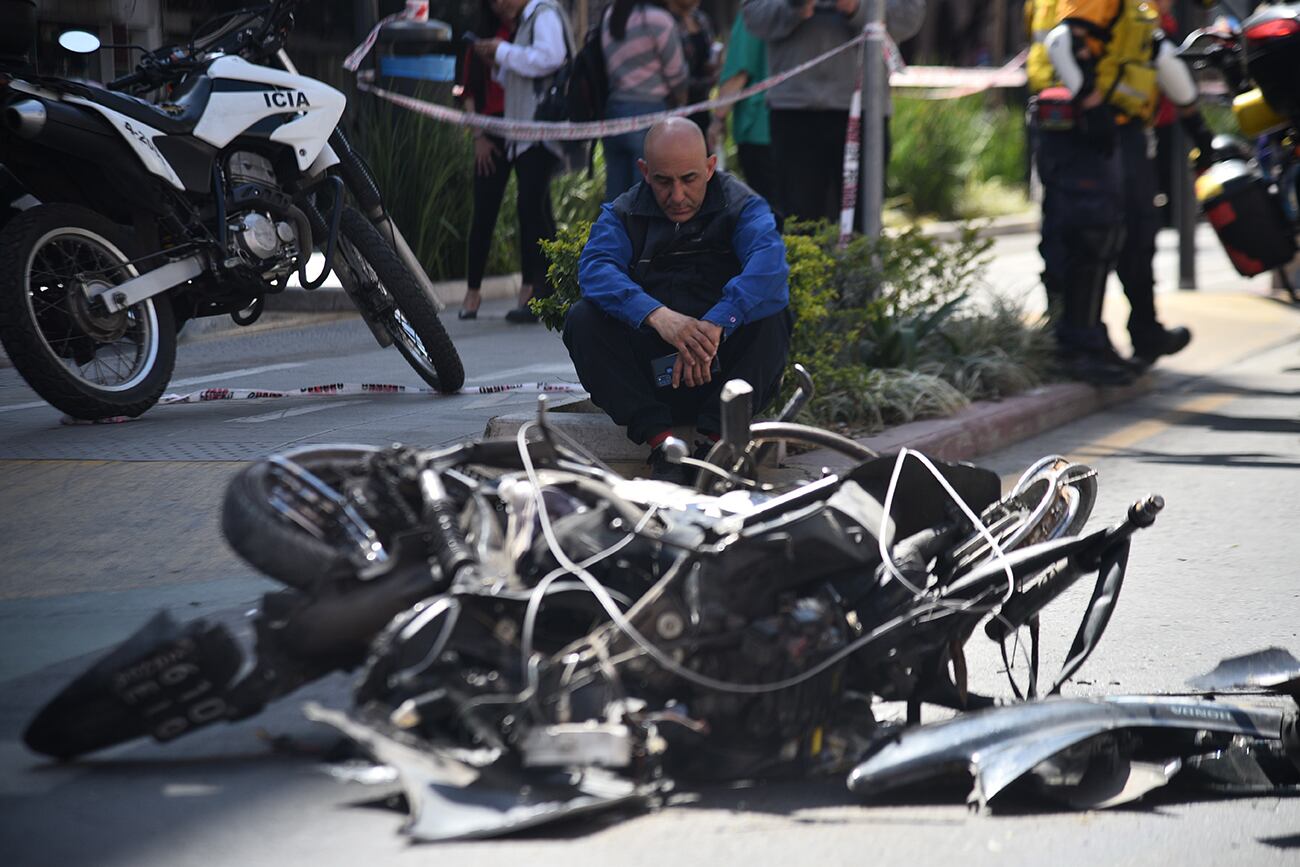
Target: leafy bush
(883, 325)
(946, 152)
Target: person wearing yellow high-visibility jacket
(1096, 68)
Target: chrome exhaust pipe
(26, 119)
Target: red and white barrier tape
(533, 130)
(336, 389)
(958, 81)
(852, 167)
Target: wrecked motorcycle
(539, 636)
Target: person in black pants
(689, 262)
(809, 146)
(491, 165)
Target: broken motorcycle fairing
(539, 636)
(1102, 752)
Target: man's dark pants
(613, 362)
(1142, 222)
(808, 152)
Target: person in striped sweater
(647, 73)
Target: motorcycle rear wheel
(82, 360)
(411, 318)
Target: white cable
(650, 648)
(999, 554)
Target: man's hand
(485, 151)
(808, 9)
(847, 8)
(696, 343)
(487, 49)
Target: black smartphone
(662, 369)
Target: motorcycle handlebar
(131, 79)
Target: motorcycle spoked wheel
(411, 319)
(83, 361)
(278, 532)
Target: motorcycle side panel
(999, 745)
(139, 136)
(289, 109)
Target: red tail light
(1275, 29)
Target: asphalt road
(102, 525)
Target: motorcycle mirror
(79, 41)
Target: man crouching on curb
(689, 261)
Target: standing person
(491, 167)
(1097, 68)
(646, 72)
(746, 64)
(525, 67)
(810, 112)
(701, 61)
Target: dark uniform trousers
(1082, 231)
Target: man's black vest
(684, 266)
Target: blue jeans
(622, 151)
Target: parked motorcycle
(125, 217)
(1250, 192)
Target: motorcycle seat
(177, 116)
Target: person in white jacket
(525, 67)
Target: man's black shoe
(1092, 368)
(1109, 354)
(522, 314)
(661, 470)
(1166, 341)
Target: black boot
(1151, 344)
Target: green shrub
(946, 152)
(884, 326)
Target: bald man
(687, 262)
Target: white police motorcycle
(123, 217)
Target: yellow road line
(1130, 435)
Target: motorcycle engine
(261, 242)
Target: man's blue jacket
(734, 224)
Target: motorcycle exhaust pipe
(26, 119)
(62, 128)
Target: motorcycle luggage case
(1247, 217)
(1273, 55)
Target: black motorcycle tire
(413, 321)
(270, 543)
(21, 330)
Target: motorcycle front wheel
(399, 303)
(83, 360)
(284, 518)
